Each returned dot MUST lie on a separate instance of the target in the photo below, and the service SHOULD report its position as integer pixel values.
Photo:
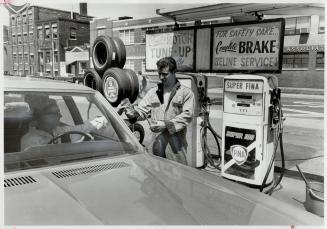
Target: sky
(134, 8)
(112, 9)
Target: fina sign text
(247, 47)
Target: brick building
(303, 54)
(39, 35)
(7, 50)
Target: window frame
(127, 36)
(296, 28)
(320, 65)
(294, 61)
(73, 30)
(40, 33)
(319, 26)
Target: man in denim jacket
(171, 107)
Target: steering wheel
(86, 136)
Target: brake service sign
(178, 44)
(248, 47)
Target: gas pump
(251, 128)
(198, 83)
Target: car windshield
(45, 129)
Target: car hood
(139, 190)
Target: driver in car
(47, 126)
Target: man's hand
(157, 126)
(127, 107)
(99, 122)
(120, 108)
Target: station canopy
(231, 9)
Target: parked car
(109, 178)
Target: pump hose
(206, 125)
(279, 139)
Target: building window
(321, 24)
(143, 35)
(54, 31)
(26, 58)
(20, 58)
(32, 58)
(302, 25)
(297, 25)
(40, 33)
(14, 40)
(15, 59)
(129, 64)
(47, 32)
(320, 60)
(13, 21)
(82, 68)
(101, 31)
(19, 29)
(31, 36)
(295, 60)
(47, 57)
(19, 20)
(25, 38)
(127, 36)
(19, 40)
(56, 58)
(290, 26)
(24, 19)
(72, 33)
(40, 58)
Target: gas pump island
(252, 114)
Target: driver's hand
(99, 122)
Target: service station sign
(178, 44)
(248, 47)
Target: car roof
(39, 84)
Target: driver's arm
(86, 127)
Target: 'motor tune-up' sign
(178, 44)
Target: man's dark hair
(167, 61)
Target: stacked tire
(108, 76)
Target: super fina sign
(255, 47)
(178, 44)
(246, 86)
